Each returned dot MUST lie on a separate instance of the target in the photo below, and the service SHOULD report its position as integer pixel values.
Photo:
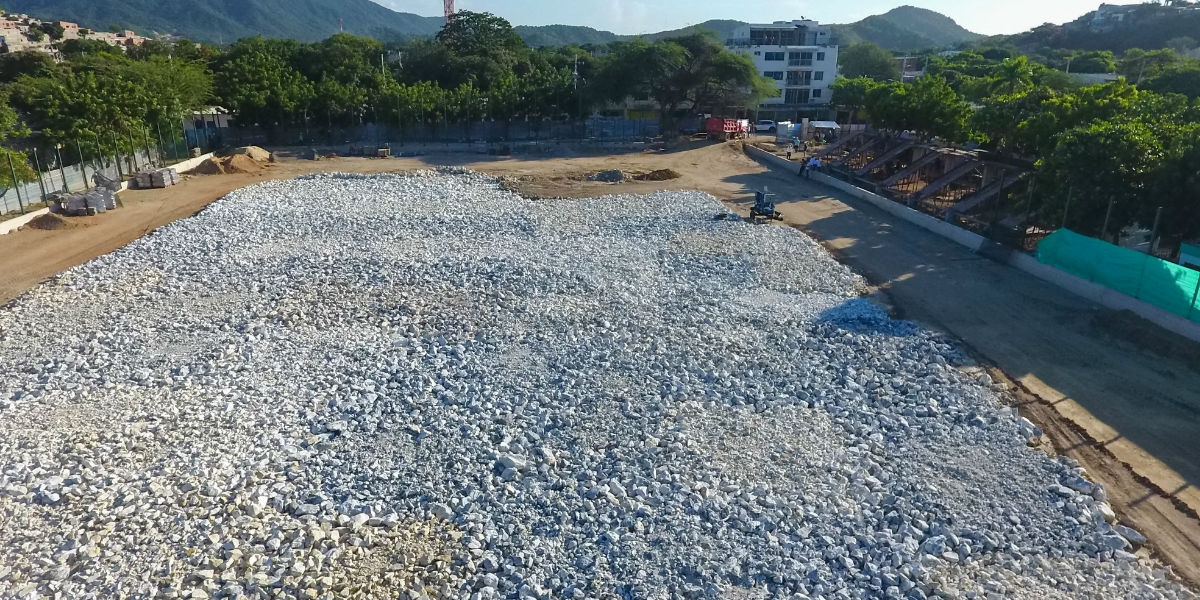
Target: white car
(764, 127)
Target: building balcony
(745, 43)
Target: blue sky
(647, 16)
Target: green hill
(220, 21)
(223, 21)
(1147, 26)
(906, 28)
(563, 35)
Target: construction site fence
(77, 177)
(382, 134)
(1171, 287)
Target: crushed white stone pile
(427, 387)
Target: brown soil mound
(50, 222)
(208, 167)
(659, 175)
(254, 152)
(241, 163)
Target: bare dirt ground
(1110, 393)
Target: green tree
(481, 35)
(1098, 164)
(26, 62)
(1180, 78)
(865, 59)
(74, 49)
(1137, 64)
(11, 127)
(1013, 76)
(256, 80)
(1176, 185)
(928, 105)
(693, 71)
(853, 94)
(1096, 61)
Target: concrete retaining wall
(977, 243)
(12, 225)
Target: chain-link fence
(56, 177)
(608, 129)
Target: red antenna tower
(449, 10)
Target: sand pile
(254, 152)
(241, 163)
(236, 164)
(51, 222)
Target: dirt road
(1127, 411)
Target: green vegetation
(1134, 147)
(224, 22)
(865, 59)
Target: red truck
(725, 129)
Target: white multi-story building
(801, 56)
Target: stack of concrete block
(95, 201)
(159, 178)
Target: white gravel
(426, 387)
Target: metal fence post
(37, 165)
(133, 151)
(16, 185)
(62, 170)
(82, 166)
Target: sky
(989, 17)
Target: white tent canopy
(824, 125)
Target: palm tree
(1013, 76)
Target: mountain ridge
(223, 21)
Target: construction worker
(813, 164)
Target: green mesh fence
(1169, 286)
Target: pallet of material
(159, 178)
(95, 201)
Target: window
(775, 56)
(800, 59)
(776, 75)
(820, 56)
(758, 53)
(797, 96)
(819, 76)
(799, 78)
(816, 94)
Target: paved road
(1038, 333)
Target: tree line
(1113, 152)
(102, 100)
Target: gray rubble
(426, 387)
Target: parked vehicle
(765, 127)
